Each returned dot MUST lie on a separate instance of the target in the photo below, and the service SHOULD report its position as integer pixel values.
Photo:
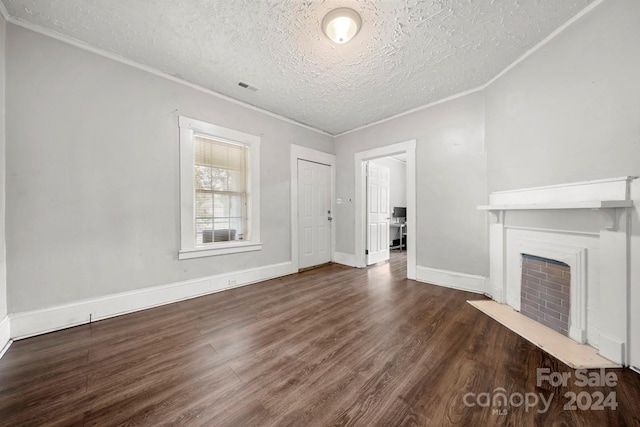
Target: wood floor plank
(329, 346)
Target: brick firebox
(544, 295)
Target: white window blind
(221, 175)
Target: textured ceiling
(408, 53)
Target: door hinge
(366, 251)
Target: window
(220, 192)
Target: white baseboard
(36, 322)
(613, 349)
(452, 279)
(344, 259)
(5, 335)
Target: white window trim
(188, 128)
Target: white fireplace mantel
(589, 204)
(584, 192)
(611, 198)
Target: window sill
(223, 249)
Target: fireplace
(584, 226)
(579, 253)
(545, 292)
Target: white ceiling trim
(524, 56)
(4, 12)
(82, 45)
(547, 39)
(85, 46)
(413, 110)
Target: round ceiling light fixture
(341, 25)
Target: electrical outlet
(233, 282)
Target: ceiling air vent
(247, 86)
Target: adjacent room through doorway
(386, 209)
(372, 236)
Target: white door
(378, 213)
(314, 214)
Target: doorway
(363, 227)
(386, 202)
(301, 256)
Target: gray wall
(92, 175)
(451, 182)
(570, 112)
(92, 170)
(3, 256)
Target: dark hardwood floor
(329, 346)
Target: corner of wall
(345, 259)
(3, 270)
(5, 328)
(453, 279)
(5, 335)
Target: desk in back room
(403, 232)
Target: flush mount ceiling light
(341, 25)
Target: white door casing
(378, 213)
(314, 214)
(360, 207)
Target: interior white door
(378, 213)
(314, 213)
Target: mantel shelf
(595, 204)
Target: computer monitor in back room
(400, 213)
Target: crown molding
(414, 110)
(110, 55)
(4, 12)
(546, 40)
(481, 88)
(121, 59)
